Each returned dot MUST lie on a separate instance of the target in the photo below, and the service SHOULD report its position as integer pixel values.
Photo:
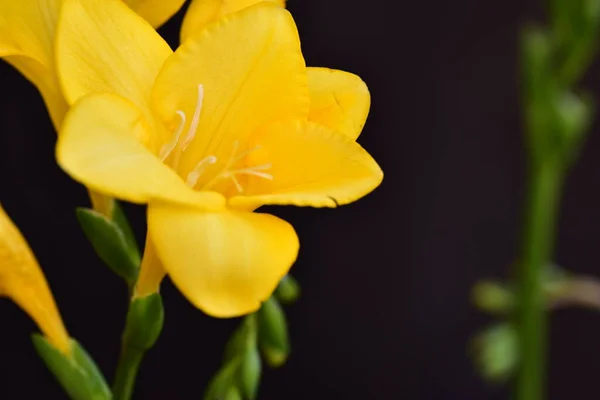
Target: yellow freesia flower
(22, 281)
(204, 136)
(27, 29)
(338, 100)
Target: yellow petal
(103, 46)
(202, 12)
(27, 28)
(22, 280)
(338, 100)
(311, 165)
(99, 146)
(252, 72)
(156, 12)
(225, 263)
(152, 272)
(27, 31)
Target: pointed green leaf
(110, 244)
(78, 374)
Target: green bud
(493, 297)
(223, 381)
(288, 290)
(539, 93)
(144, 321)
(495, 352)
(574, 117)
(273, 333)
(78, 374)
(110, 243)
(250, 372)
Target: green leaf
(223, 381)
(273, 333)
(144, 321)
(78, 375)
(110, 243)
(288, 290)
(250, 372)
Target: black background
(385, 311)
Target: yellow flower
(22, 280)
(27, 30)
(204, 136)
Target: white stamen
(193, 176)
(168, 148)
(237, 184)
(228, 173)
(195, 119)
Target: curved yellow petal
(27, 28)
(104, 46)
(27, 31)
(100, 145)
(251, 70)
(311, 165)
(339, 100)
(156, 12)
(225, 263)
(22, 280)
(202, 12)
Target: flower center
(230, 169)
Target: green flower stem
(127, 370)
(541, 213)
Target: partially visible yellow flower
(27, 30)
(22, 281)
(205, 136)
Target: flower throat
(227, 169)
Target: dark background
(385, 311)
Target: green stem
(127, 369)
(538, 241)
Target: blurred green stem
(545, 182)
